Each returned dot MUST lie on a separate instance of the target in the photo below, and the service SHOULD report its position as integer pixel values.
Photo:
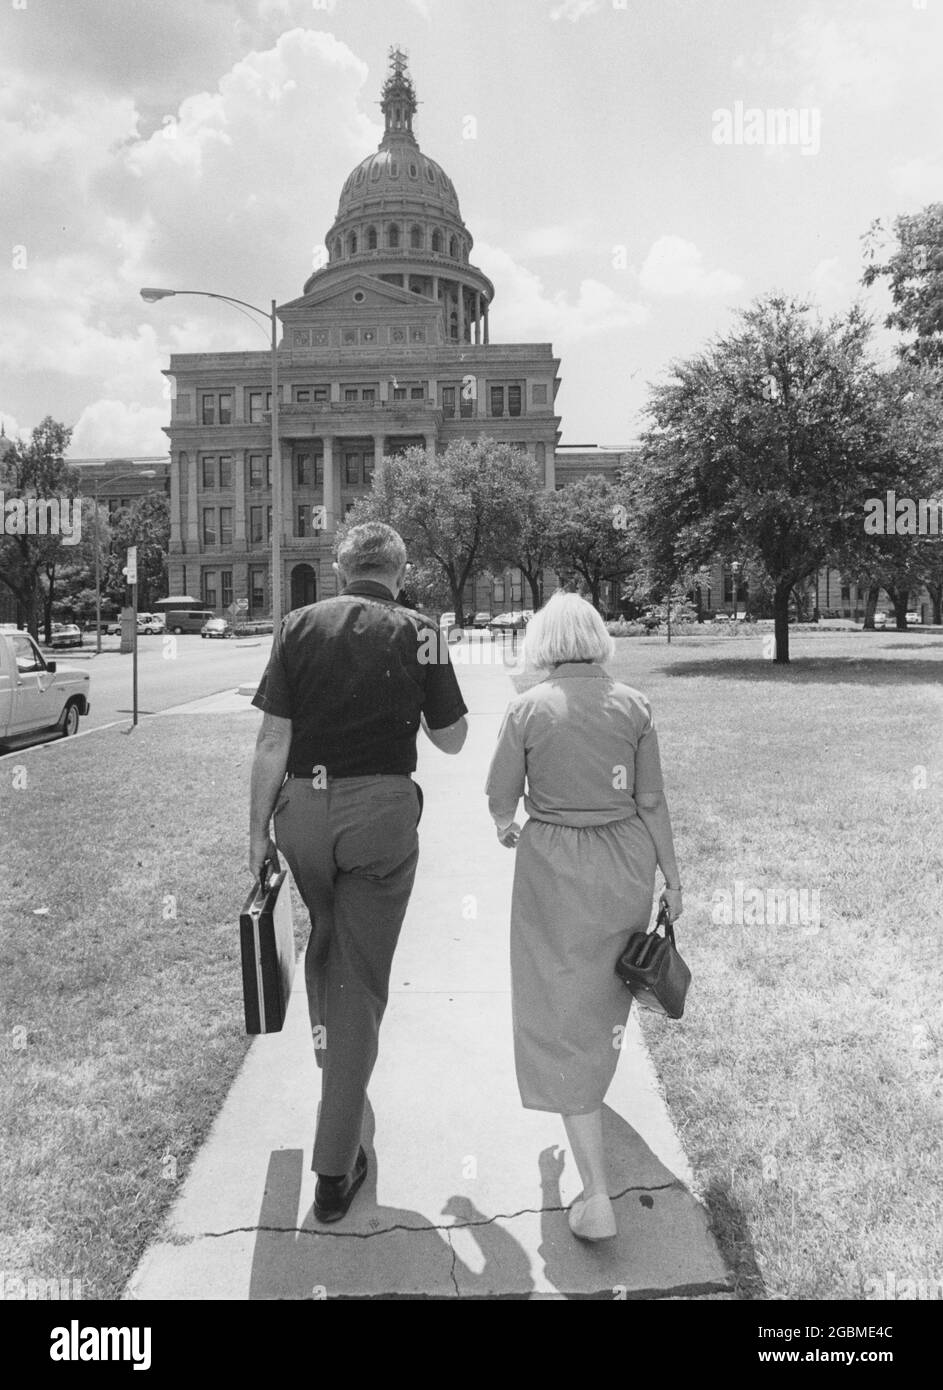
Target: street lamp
(150, 296)
(142, 473)
(735, 570)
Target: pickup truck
(37, 696)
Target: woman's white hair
(567, 628)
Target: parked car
(481, 620)
(512, 620)
(188, 619)
(36, 694)
(149, 623)
(216, 627)
(65, 635)
(880, 620)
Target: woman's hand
(510, 835)
(671, 897)
(261, 848)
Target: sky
(623, 194)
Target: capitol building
(390, 344)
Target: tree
(35, 470)
(910, 259)
(589, 533)
(145, 524)
(534, 548)
(759, 445)
(456, 510)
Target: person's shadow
(376, 1251)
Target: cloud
(574, 10)
(919, 180)
(558, 239)
(110, 428)
(830, 286)
(525, 312)
(674, 266)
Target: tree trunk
(900, 598)
(870, 607)
(936, 598)
(535, 594)
(781, 624)
(47, 611)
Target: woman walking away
(584, 876)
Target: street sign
(242, 604)
(131, 569)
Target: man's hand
(510, 835)
(261, 847)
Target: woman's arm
(653, 813)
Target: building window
(268, 523)
(319, 470)
(399, 393)
(453, 247)
(466, 404)
(303, 470)
(394, 163)
(216, 407)
(514, 400)
(846, 592)
(371, 238)
(417, 393)
(392, 236)
(415, 238)
(369, 393)
(257, 463)
(225, 588)
(209, 588)
(256, 589)
(350, 393)
(349, 337)
(538, 395)
(368, 468)
(259, 402)
(352, 244)
(448, 400)
(437, 241)
(301, 520)
(497, 400)
(352, 469)
(225, 525)
(321, 393)
(302, 395)
(209, 525)
(209, 472)
(255, 525)
(225, 471)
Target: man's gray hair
(371, 548)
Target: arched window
(453, 247)
(437, 241)
(337, 249)
(394, 169)
(371, 238)
(374, 173)
(392, 235)
(415, 238)
(352, 244)
(413, 171)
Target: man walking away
(349, 681)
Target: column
(430, 442)
(550, 471)
(329, 490)
(435, 288)
(478, 316)
(481, 401)
(486, 325)
(461, 312)
(176, 536)
(288, 502)
(239, 514)
(378, 442)
(193, 517)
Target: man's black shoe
(333, 1196)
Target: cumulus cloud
(674, 266)
(110, 428)
(526, 312)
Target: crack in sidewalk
(416, 1230)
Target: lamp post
(150, 296)
(735, 570)
(144, 473)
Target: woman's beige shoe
(592, 1218)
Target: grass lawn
(805, 1077)
(122, 1023)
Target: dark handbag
(267, 940)
(653, 969)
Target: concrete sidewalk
(467, 1192)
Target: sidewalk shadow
(808, 670)
(376, 1251)
(731, 1230)
(662, 1248)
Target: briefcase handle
(662, 921)
(272, 863)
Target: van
(187, 619)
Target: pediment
(339, 296)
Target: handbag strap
(662, 921)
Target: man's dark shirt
(353, 674)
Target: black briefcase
(267, 938)
(652, 967)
